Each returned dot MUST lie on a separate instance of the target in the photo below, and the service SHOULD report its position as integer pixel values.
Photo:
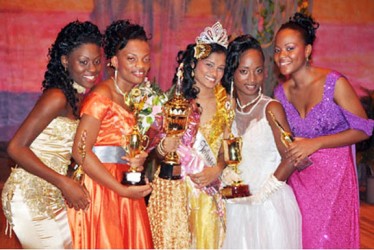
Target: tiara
(214, 34)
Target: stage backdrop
(28, 28)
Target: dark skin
(249, 76)
(51, 105)
(304, 89)
(133, 64)
(83, 61)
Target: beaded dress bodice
(53, 147)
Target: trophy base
(235, 191)
(170, 171)
(133, 178)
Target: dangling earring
(232, 89)
(307, 61)
(115, 74)
(193, 73)
(259, 90)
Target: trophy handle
(145, 142)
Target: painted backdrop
(28, 28)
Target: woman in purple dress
(326, 115)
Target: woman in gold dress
(33, 196)
(188, 212)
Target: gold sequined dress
(33, 207)
(182, 216)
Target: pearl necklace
(249, 103)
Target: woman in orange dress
(117, 217)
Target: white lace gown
(275, 223)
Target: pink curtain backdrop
(28, 28)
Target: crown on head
(214, 34)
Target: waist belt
(110, 154)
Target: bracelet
(160, 148)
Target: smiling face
(84, 64)
(249, 76)
(290, 52)
(209, 71)
(133, 63)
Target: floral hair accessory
(202, 51)
(215, 34)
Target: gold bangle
(160, 148)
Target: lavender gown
(327, 191)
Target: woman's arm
(346, 98)
(50, 105)
(94, 168)
(285, 168)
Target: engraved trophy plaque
(176, 112)
(232, 147)
(287, 138)
(135, 142)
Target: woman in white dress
(270, 217)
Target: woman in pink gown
(325, 113)
(117, 216)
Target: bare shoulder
(52, 99)
(275, 107)
(104, 88)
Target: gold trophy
(135, 142)
(232, 148)
(287, 138)
(176, 112)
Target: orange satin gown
(111, 221)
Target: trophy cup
(135, 142)
(287, 138)
(176, 112)
(232, 147)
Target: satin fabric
(111, 221)
(34, 207)
(43, 233)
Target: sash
(203, 150)
(110, 154)
(205, 153)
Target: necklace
(79, 88)
(254, 106)
(119, 91)
(249, 103)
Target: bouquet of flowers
(149, 113)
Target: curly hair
(118, 33)
(236, 48)
(70, 37)
(303, 23)
(189, 90)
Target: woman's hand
(76, 196)
(206, 177)
(136, 192)
(137, 161)
(301, 148)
